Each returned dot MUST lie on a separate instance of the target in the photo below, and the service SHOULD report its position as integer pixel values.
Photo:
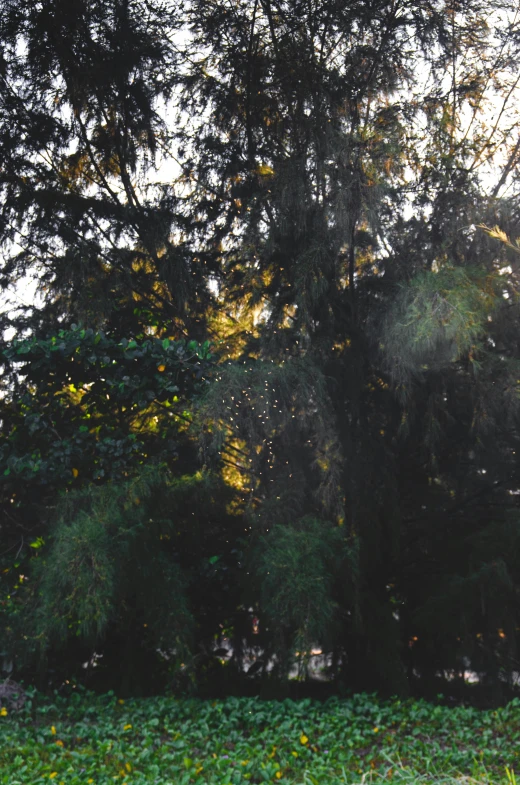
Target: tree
(341, 190)
(81, 135)
(111, 520)
(333, 164)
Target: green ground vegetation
(104, 739)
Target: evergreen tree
(335, 164)
(341, 188)
(83, 210)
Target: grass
(96, 740)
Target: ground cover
(100, 740)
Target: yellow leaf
(303, 739)
(499, 234)
(53, 774)
(294, 753)
(376, 730)
(279, 775)
(59, 743)
(127, 727)
(75, 472)
(90, 781)
(264, 170)
(128, 767)
(53, 730)
(3, 712)
(121, 701)
(161, 368)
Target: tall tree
(341, 162)
(333, 164)
(84, 211)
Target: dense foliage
(102, 740)
(273, 246)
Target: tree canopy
(273, 244)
